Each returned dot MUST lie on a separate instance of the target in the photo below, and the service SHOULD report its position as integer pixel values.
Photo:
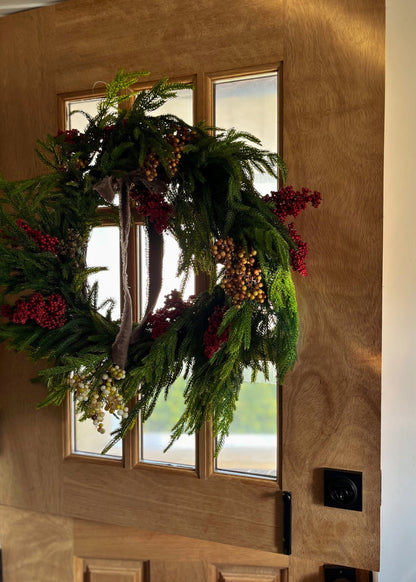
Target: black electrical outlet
(343, 489)
(339, 574)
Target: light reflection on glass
(103, 251)
(250, 104)
(182, 106)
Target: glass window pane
(251, 447)
(182, 106)
(75, 118)
(250, 104)
(156, 431)
(170, 279)
(104, 251)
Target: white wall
(398, 512)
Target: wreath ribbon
(155, 261)
(107, 188)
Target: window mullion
(205, 444)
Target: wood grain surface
(36, 547)
(333, 134)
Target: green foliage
(114, 90)
(213, 196)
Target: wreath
(196, 183)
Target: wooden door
(333, 140)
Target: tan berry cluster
(104, 399)
(150, 165)
(80, 164)
(242, 279)
(178, 140)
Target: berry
(153, 206)
(242, 279)
(47, 312)
(166, 315)
(178, 139)
(105, 398)
(71, 138)
(44, 242)
(150, 166)
(212, 341)
(298, 256)
(288, 202)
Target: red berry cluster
(212, 341)
(108, 129)
(71, 136)
(288, 202)
(154, 206)
(47, 312)
(68, 142)
(45, 242)
(163, 317)
(298, 255)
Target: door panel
(232, 573)
(102, 570)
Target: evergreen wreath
(192, 181)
